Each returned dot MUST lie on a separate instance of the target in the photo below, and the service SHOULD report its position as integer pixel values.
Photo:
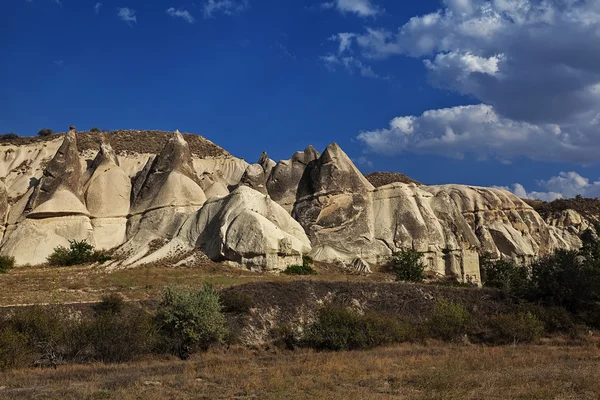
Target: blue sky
(479, 92)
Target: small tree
(6, 264)
(45, 132)
(407, 266)
(79, 252)
(95, 130)
(503, 274)
(188, 319)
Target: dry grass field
(427, 372)
(58, 285)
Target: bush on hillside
(449, 320)
(45, 132)
(503, 274)
(191, 318)
(304, 269)
(338, 328)
(6, 264)
(79, 252)
(9, 136)
(110, 304)
(95, 130)
(407, 266)
(236, 302)
(115, 337)
(522, 327)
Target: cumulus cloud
(362, 8)
(227, 7)
(564, 185)
(127, 15)
(183, 14)
(476, 130)
(534, 64)
(97, 8)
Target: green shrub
(95, 130)
(407, 266)
(338, 328)
(115, 337)
(15, 351)
(516, 328)
(6, 264)
(190, 319)
(236, 302)
(555, 319)
(110, 304)
(299, 270)
(41, 325)
(10, 136)
(503, 274)
(79, 252)
(45, 132)
(449, 320)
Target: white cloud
(183, 14)
(362, 8)
(364, 161)
(227, 7)
(97, 8)
(345, 41)
(59, 62)
(565, 185)
(351, 64)
(534, 64)
(480, 131)
(127, 15)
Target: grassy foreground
(434, 371)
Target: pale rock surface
(246, 227)
(164, 194)
(54, 211)
(256, 175)
(107, 191)
(285, 177)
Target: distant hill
(379, 179)
(587, 207)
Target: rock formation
(283, 181)
(246, 227)
(134, 191)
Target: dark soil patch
(143, 141)
(379, 179)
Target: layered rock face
(246, 227)
(52, 212)
(86, 191)
(346, 217)
(153, 195)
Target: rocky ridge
(187, 193)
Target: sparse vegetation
(95, 130)
(407, 266)
(79, 252)
(45, 132)
(6, 264)
(449, 320)
(304, 269)
(522, 327)
(190, 319)
(9, 136)
(235, 302)
(339, 328)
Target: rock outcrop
(285, 177)
(246, 227)
(163, 195)
(134, 191)
(53, 212)
(346, 217)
